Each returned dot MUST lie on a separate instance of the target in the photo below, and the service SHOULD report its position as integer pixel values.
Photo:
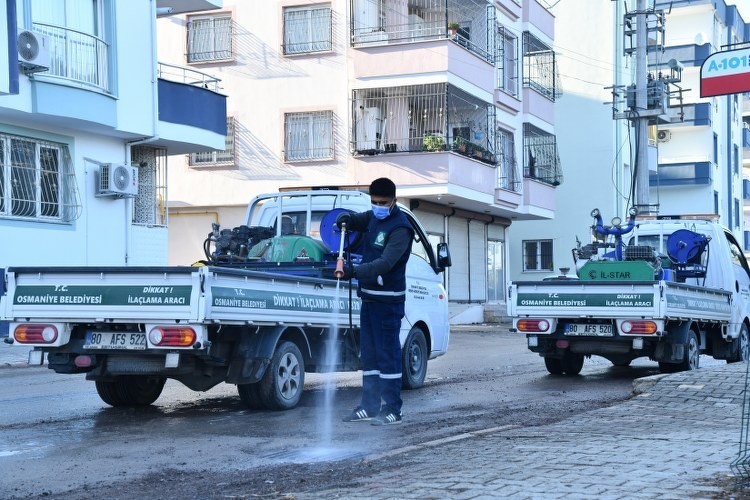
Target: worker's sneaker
(359, 414)
(387, 417)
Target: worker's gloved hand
(342, 219)
(349, 272)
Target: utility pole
(646, 100)
(640, 122)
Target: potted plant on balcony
(432, 142)
(459, 144)
(452, 28)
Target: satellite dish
(121, 177)
(28, 45)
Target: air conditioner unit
(119, 181)
(663, 135)
(33, 51)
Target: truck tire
(282, 384)
(572, 363)
(130, 390)
(554, 365)
(249, 395)
(414, 357)
(691, 361)
(742, 347)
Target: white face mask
(381, 213)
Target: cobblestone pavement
(670, 441)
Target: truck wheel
(414, 360)
(691, 361)
(130, 390)
(282, 384)
(572, 363)
(554, 365)
(249, 395)
(742, 343)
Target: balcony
(682, 174)
(191, 110)
(423, 118)
(401, 21)
(690, 114)
(81, 58)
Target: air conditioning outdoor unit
(119, 181)
(663, 135)
(33, 51)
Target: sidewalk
(673, 440)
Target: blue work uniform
(382, 287)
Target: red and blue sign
(726, 72)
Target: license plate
(588, 329)
(115, 340)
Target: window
(307, 29)
(224, 157)
(537, 255)
(539, 67)
(150, 206)
(308, 136)
(736, 159)
(36, 180)
(209, 38)
(541, 160)
(507, 66)
(509, 176)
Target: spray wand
(339, 272)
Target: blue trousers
(380, 351)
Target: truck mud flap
(252, 355)
(672, 348)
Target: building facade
(696, 146)
(452, 99)
(87, 123)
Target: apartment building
(452, 99)
(695, 147)
(88, 118)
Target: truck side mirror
(443, 256)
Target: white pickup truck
(259, 312)
(668, 288)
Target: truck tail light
(172, 336)
(532, 325)
(639, 327)
(35, 334)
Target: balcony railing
(541, 160)
(399, 21)
(77, 56)
(189, 76)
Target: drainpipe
(468, 253)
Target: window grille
(539, 67)
(537, 255)
(308, 136)
(225, 157)
(398, 21)
(509, 177)
(307, 29)
(150, 206)
(507, 61)
(431, 117)
(541, 160)
(37, 180)
(209, 38)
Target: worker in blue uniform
(381, 285)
